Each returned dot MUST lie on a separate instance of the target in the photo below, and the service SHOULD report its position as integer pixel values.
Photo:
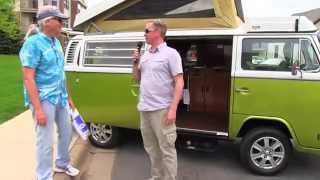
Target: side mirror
(295, 68)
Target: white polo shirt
(158, 70)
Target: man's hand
(41, 117)
(170, 117)
(136, 56)
(135, 70)
(71, 104)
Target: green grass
(11, 88)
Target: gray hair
(42, 22)
(161, 26)
(33, 29)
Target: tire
(104, 136)
(264, 159)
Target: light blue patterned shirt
(45, 56)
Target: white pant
(159, 143)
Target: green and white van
(258, 84)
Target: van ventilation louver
(71, 52)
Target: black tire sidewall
(256, 134)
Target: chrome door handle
(242, 90)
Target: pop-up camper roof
(131, 15)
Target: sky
(260, 8)
(263, 8)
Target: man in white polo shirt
(159, 71)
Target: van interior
(207, 74)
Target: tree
(9, 30)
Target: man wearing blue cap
(46, 93)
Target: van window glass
(71, 53)
(109, 53)
(308, 57)
(269, 54)
(152, 9)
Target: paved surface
(130, 162)
(221, 164)
(17, 149)
(17, 152)
(94, 163)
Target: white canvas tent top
(92, 12)
(130, 15)
(265, 25)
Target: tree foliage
(9, 29)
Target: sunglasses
(148, 31)
(58, 19)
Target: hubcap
(267, 152)
(101, 133)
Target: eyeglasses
(148, 31)
(58, 19)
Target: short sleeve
(175, 63)
(30, 54)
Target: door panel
(295, 101)
(197, 82)
(105, 98)
(217, 91)
(262, 87)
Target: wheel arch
(254, 122)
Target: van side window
(308, 58)
(72, 52)
(109, 54)
(269, 54)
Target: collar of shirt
(51, 40)
(157, 49)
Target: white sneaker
(70, 170)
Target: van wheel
(104, 136)
(265, 151)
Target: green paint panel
(105, 98)
(111, 98)
(295, 102)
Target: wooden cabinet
(197, 82)
(209, 90)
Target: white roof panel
(95, 10)
(279, 24)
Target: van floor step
(198, 145)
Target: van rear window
(269, 54)
(109, 54)
(278, 54)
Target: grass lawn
(11, 92)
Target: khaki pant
(159, 142)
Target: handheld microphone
(139, 46)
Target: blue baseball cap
(50, 11)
